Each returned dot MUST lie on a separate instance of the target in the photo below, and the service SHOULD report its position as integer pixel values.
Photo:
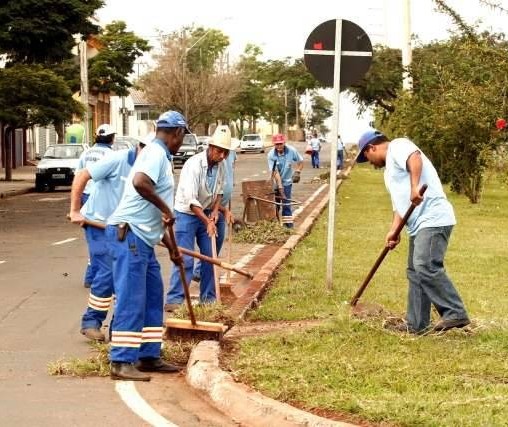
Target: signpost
(337, 53)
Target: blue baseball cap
(172, 119)
(367, 138)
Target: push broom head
(184, 329)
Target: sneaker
(93, 334)
(127, 372)
(169, 308)
(447, 324)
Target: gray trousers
(428, 281)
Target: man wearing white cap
(104, 137)
(199, 214)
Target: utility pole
(285, 110)
(83, 64)
(297, 107)
(407, 81)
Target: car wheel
(40, 186)
(262, 151)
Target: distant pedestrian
(315, 144)
(285, 164)
(137, 225)
(105, 136)
(199, 215)
(429, 228)
(109, 175)
(341, 150)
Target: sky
(281, 27)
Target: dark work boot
(93, 334)
(157, 365)
(127, 372)
(447, 324)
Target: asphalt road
(42, 259)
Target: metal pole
(407, 81)
(297, 107)
(285, 111)
(333, 154)
(83, 63)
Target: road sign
(356, 53)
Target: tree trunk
(9, 132)
(60, 132)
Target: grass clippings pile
(355, 366)
(263, 232)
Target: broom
(181, 328)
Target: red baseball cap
(278, 138)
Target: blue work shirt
(284, 163)
(92, 155)
(227, 188)
(143, 217)
(109, 175)
(435, 210)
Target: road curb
(17, 192)
(237, 400)
(243, 405)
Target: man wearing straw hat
(199, 214)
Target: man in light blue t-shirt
(429, 228)
(109, 175)
(136, 226)
(285, 165)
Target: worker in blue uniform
(109, 175)
(136, 226)
(285, 164)
(104, 138)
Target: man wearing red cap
(281, 159)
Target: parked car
(252, 142)
(57, 166)
(125, 142)
(187, 150)
(235, 143)
(203, 142)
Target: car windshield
(124, 142)
(63, 152)
(251, 138)
(190, 140)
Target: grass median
(359, 368)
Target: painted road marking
(309, 200)
(256, 174)
(243, 261)
(3, 262)
(62, 242)
(52, 199)
(138, 405)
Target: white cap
(105, 130)
(222, 137)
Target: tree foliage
(34, 95)
(42, 31)
(109, 69)
(202, 92)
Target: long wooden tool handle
(183, 279)
(215, 271)
(385, 251)
(230, 245)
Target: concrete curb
(243, 405)
(237, 400)
(17, 192)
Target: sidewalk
(23, 181)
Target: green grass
(360, 368)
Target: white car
(57, 166)
(252, 142)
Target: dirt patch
(263, 328)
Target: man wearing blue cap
(109, 175)
(136, 226)
(429, 227)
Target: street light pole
(83, 63)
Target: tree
(321, 110)
(109, 69)
(205, 92)
(43, 31)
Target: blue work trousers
(90, 268)
(137, 324)
(101, 290)
(221, 235)
(188, 230)
(287, 216)
(314, 157)
(428, 281)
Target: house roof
(139, 97)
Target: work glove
(296, 176)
